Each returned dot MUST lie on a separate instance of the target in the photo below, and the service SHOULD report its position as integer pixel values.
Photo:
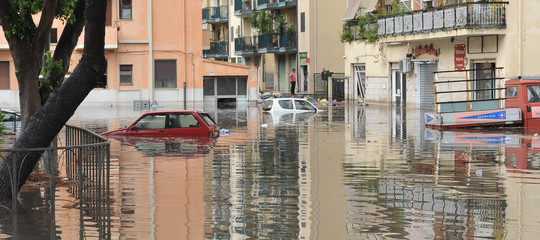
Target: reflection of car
(170, 123)
(169, 145)
(12, 120)
(288, 105)
(288, 118)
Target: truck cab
(524, 93)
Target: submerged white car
(284, 105)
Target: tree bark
(47, 122)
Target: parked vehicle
(521, 108)
(12, 121)
(170, 124)
(284, 105)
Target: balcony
(246, 45)
(275, 4)
(468, 16)
(244, 8)
(216, 14)
(278, 43)
(217, 50)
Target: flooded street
(347, 172)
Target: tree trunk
(46, 123)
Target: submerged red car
(170, 124)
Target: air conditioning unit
(405, 65)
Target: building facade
(483, 41)
(301, 34)
(154, 53)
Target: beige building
(304, 36)
(154, 53)
(471, 39)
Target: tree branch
(44, 27)
(64, 48)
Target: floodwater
(347, 172)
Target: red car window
(151, 122)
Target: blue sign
(429, 118)
(489, 116)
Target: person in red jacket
(292, 77)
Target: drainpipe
(185, 56)
(150, 55)
(315, 52)
(520, 34)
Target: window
(108, 15)
(239, 60)
(151, 122)
(125, 9)
(102, 83)
(303, 105)
(165, 74)
(53, 36)
(533, 93)
(427, 4)
(286, 104)
(208, 86)
(512, 92)
(4, 75)
(302, 22)
(209, 121)
(233, 60)
(126, 74)
(183, 121)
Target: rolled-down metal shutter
(425, 79)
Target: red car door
(186, 124)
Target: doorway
(398, 87)
(303, 78)
(359, 82)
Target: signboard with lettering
(459, 57)
(427, 49)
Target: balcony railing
(277, 42)
(246, 45)
(217, 50)
(268, 4)
(465, 15)
(216, 14)
(244, 8)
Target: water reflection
(347, 172)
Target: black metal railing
(87, 162)
(459, 16)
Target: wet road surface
(348, 172)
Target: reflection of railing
(217, 50)
(465, 15)
(87, 159)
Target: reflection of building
(296, 36)
(150, 59)
(411, 45)
(260, 183)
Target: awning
(369, 5)
(352, 10)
